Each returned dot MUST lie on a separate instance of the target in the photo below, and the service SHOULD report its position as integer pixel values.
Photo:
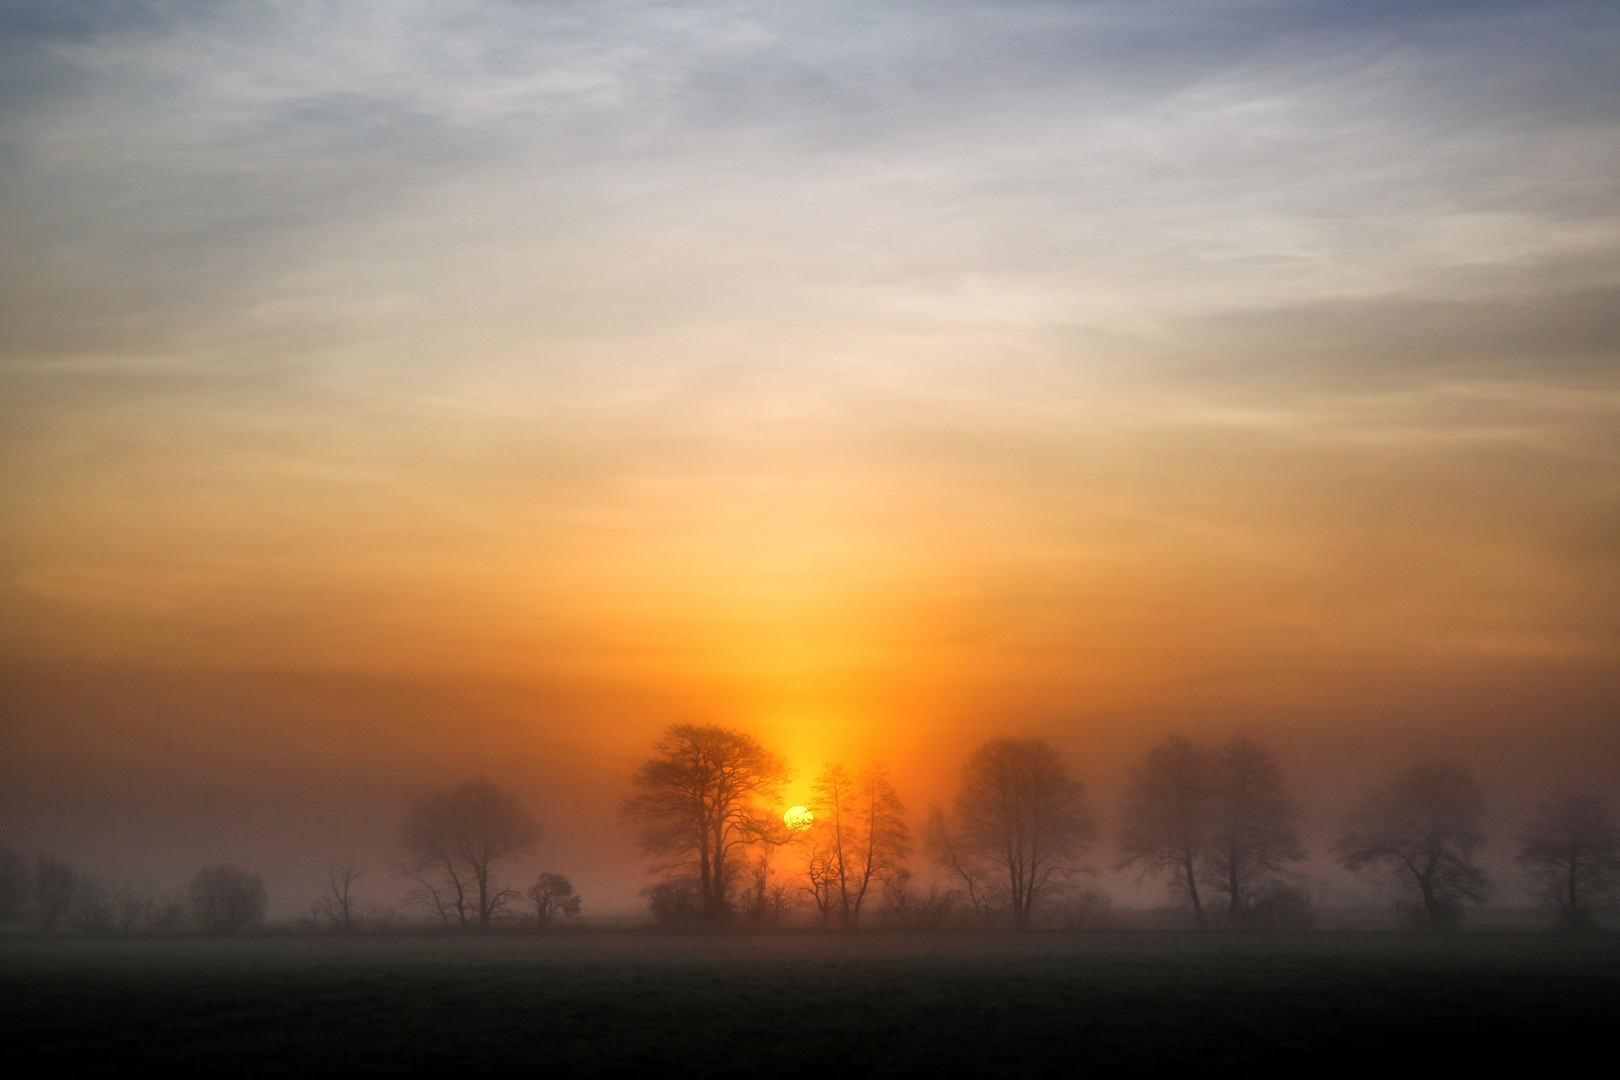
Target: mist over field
(1068, 466)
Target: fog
(408, 393)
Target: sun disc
(798, 818)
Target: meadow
(806, 1004)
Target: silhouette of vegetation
(859, 838)
(1424, 825)
(92, 913)
(1571, 849)
(552, 895)
(132, 905)
(767, 903)
(457, 837)
(1252, 835)
(675, 902)
(339, 907)
(1166, 825)
(907, 907)
(1018, 831)
(55, 883)
(706, 796)
(227, 900)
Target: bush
(1091, 910)
(227, 900)
(675, 903)
(1279, 906)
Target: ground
(802, 1004)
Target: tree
(55, 884)
(338, 905)
(859, 837)
(1020, 825)
(553, 895)
(1166, 816)
(227, 900)
(132, 904)
(707, 794)
(766, 903)
(674, 902)
(1424, 824)
(1252, 836)
(909, 909)
(457, 837)
(1571, 849)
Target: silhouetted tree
(859, 836)
(952, 855)
(457, 837)
(1252, 837)
(1571, 849)
(132, 905)
(675, 902)
(1425, 825)
(553, 895)
(227, 900)
(707, 793)
(767, 902)
(16, 886)
(1167, 822)
(911, 909)
(55, 882)
(1020, 824)
(93, 912)
(166, 916)
(339, 906)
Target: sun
(798, 818)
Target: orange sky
(384, 398)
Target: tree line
(50, 895)
(1014, 847)
(1215, 824)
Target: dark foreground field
(801, 1005)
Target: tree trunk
(1192, 891)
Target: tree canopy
(706, 793)
(1424, 825)
(1019, 827)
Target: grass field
(797, 1005)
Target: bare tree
(553, 895)
(1166, 817)
(457, 837)
(227, 900)
(1425, 825)
(166, 916)
(1021, 820)
(55, 883)
(859, 837)
(951, 854)
(1252, 837)
(132, 904)
(1571, 849)
(907, 908)
(93, 910)
(338, 905)
(767, 902)
(707, 794)
(821, 876)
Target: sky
(392, 393)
